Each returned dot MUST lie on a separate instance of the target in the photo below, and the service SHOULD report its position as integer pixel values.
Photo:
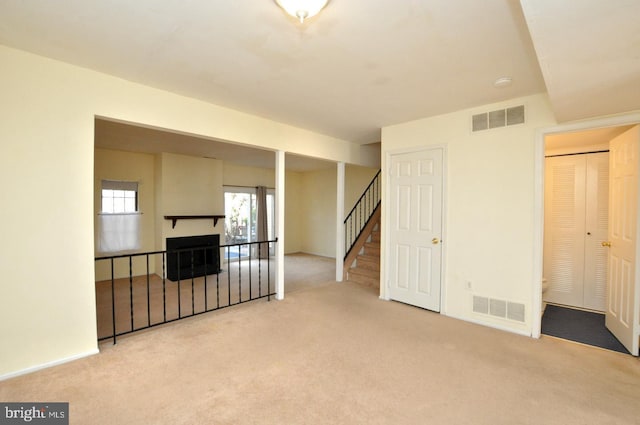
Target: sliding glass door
(240, 224)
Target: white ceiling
(589, 53)
(357, 66)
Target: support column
(340, 223)
(280, 177)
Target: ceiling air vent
(515, 115)
(498, 118)
(479, 122)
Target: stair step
(368, 262)
(372, 248)
(364, 277)
(375, 236)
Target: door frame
(538, 230)
(386, 225)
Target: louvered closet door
(564, 229)
(597, 222)
(576, 220)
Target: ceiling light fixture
(302, 9)
(503, 82)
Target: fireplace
(205, 250)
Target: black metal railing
(145, 300)
(361, 213)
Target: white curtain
(261, 218)
(119, 232)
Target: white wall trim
(280, 223)
(445, 238)
(614, 121)
(492, 325)
(48, 364)
(340, 248)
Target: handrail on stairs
(361, 213)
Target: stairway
(362, 238)
(365, 269)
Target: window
(119, 197)
(119, 217)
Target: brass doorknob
(435, 241)
(606, 243)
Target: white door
(415, 227)
(622, 317)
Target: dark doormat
(580, 326)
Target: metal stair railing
(361, 213)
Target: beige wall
(356, 181)
(47, 112)
(190, 186)
(318, 212)
(489, 207)
(294, 218)
(238, 175)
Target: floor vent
(498, 118)
(499, 308)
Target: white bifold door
(415, 227)
(576, 223)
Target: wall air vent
(499, 308)
(480, 304)
(480, 122)
(515, 311)
(515, 115)
(498, 118)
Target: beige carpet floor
(334, 353)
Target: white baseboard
(48, 364)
